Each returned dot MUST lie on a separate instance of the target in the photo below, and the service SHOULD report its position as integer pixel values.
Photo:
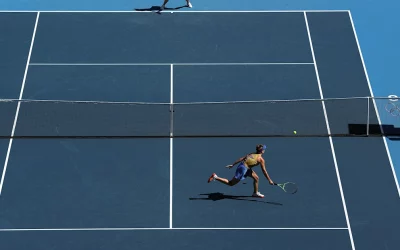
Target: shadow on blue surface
(220, 196)
(158, 8)
(390, 131)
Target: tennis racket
(288, 187)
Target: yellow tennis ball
(295, 132)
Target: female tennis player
(244, 170)
(188, 4)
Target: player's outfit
(244, 170)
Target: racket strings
(289, 187)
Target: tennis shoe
(212, 177)
(189, 5)
(258, 194)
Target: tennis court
(117, 75)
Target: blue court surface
(148, 192)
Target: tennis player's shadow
(157, 9)
(221, 196)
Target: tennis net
(356, 116)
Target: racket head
(288, 187)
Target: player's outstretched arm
(264, 170)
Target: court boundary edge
(176, 228)
(176, 11)
(171, 146)
(373, 100)
(175, 63)
(330, 137)
(19, 104)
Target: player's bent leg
(255, 178)
(239, 175)
(256, 193)
(232, 182)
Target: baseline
(175, 228)
(167, 64)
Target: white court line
(171, 146)
(175, 11)
(147, 229)
(18, 105)
(330, 137)
(376, 110)
(166, 64)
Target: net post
(368, 115)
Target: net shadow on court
(389, 130)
